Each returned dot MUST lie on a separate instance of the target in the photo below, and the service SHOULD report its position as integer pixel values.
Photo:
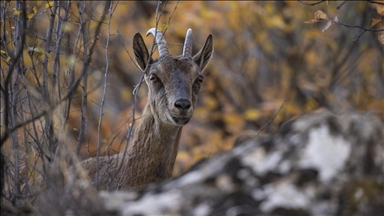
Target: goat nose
(182, 104)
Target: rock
(319, 164)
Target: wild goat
(173, 84)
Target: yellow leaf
(374, 22)
(49, 4)
(35, 50)
(165, 26)
(17, 12)
(71, 60)
(232, 119)
(30, 15)
(8, 58)
(311, 104)
(320, 15)
(276, 21)
(252, 114)
(66, 27)
(34, 9)
(381, 39)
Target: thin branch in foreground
(71, 89)
(341, 5)
(19, 38)
(273, 118)
(136, 90)
(375, 2)
(311, 4)
(170, 17)
(358, 27)
(84, 93)
(126, 50)
(101, 111)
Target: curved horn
(160, 40)
(187, 50)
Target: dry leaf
(320, 15)
(17, 12)
(35, 50)
(311, 21)
(165, 26)
(380, 9)
(252, 114)
(34, 9)
(327, 25)
(381, 39)
(66, 27)
(49, 4)
(30, 15)
(374, 22)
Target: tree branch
(70, 91)
(101, 112)
(358, 27)
(136, 90)
(84, 95)
(376, 2)
(341, 5)
(311, 4)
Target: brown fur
(173, 84)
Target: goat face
(173, 82)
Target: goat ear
(204, 55)
(140, 51)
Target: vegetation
(67, 75)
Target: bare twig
(347, 25)
(311, 4)
(101, 112)
(273, 118)
(359, 27)
(3, 35)
(84, 95)
(71, 89)
(170, 17)
(376, 2)
(70, 70)
(341, 5)
(49, 131)
(135, 91)
(41, 152)
(26, 150)
(14, 60)
(57, 69)
(126, 50)
(14, 91)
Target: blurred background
(268, 67)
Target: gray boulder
(318, 164)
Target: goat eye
(153, 78)
(200, 79)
